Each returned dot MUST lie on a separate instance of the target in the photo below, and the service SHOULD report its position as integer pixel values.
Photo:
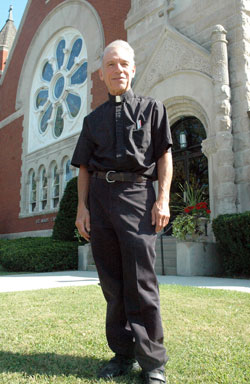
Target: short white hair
(122, 44)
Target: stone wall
(228, 148)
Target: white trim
(19, 235)
(14, 116)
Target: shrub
(38, 254)
(64, 228)
(184, 225)
(232, 232)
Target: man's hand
(83, 218)
(160, 215)
(160, 211)
(83, 222)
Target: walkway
(27, 282)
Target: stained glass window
(59, 122)
(55, 187)
(74, 104)
(45, 119)
(59, 95)
(59, 87)
(75, 52)
(47, 73)
(80, 75)
(60, 53)
(67, 172)
(43, 190)
(32, 194)
(42, 97)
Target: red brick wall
(38, 10)
(10, 155)
(112, 17)
(3, 58)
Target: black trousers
(123, 246)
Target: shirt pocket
(139, 135)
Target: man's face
(117, 70)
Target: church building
(193, 55)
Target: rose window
(59, 96)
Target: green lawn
(57, 336)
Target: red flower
(197, 207)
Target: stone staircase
(169, 252)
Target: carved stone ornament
(138, 4)
(174, 53)
(209, 146)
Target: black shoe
(156, 376)
(117, 366)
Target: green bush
(232, 232)
(64, 227)
(38, 254)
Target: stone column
(224, 181)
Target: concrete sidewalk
(27, 282)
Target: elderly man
(125, 145)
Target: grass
(57, 336)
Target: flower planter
(198, 259)
(84, 256)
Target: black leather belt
(112, 176)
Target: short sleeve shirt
(125, 134)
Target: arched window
(59, 90)
(32, 191)
(190, 164)
(58, 95)
(55, 187)
(43, 189)
(67, 173)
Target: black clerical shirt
(128, 133)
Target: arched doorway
(190, 164)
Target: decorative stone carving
(170, 5)
(209, 146)
(173, 54)
(138, 4)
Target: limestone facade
(194, 55)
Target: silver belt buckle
(107, 177)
